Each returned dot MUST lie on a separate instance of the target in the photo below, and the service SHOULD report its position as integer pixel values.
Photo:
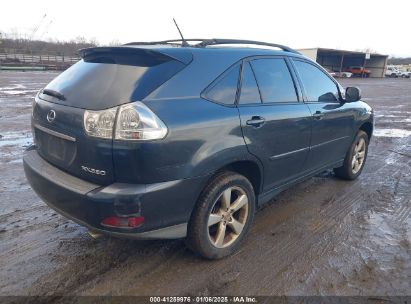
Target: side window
(249, 89)
(274, 80)
(318, 86)
(224, 90)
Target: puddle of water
(389, 106)
(18, 92)
(18, 89)
(11, 157)
(16, 161)
(16, 139)
(13, 87)
(401, 120)
(390, 160)
(380, 232)
(399, 133)
(400, 112)
(389, 116)
(404, 120)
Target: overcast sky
(383, 26)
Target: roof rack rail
(215, 41)
(236, 41)
(163, 42)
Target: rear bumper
(166, 207)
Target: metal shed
(340, 60)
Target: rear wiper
(54, 94)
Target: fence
(52, 62)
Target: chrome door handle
(318, 115)
(256, 121)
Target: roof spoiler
(161, 54)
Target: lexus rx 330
(173, 140)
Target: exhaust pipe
(95, 235)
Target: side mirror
(352, 94)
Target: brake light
(135, 121)
(100, 123)
(123, 222)
(135, 221)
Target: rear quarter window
(224, 89)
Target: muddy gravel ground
(322, 237)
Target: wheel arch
(367, 127)
(250, 169)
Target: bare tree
(14, 43)
(114, 42)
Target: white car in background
(343, 74)
(404, 74)
(330, 72)
(339, 74)
(392, 72)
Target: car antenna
(184, 42)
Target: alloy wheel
(359, 156)
(228, 217)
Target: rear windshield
(106, 79)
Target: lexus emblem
(51, 115)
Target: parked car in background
(167, 140)
(358, 71)
(392, 72)
(338, 74)
(404, 74)
(332, 73)
(343, 74)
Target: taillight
(134, 121)
(123, 222)
(100, 123)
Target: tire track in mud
(338, 207)
(163, 265)
(15, 222)
(7, 217)
(95, 262)
(276, 252)
(402, 214)
(291, 243)
(402, 191)
(280, 252)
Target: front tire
(222, 216)
(355, 158)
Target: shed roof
(340, 52)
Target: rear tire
(355, 158)
(222, 216)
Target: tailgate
(63, 143)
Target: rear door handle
(256, 121)
(318, 115)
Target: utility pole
(33, 33)
(36, 28)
